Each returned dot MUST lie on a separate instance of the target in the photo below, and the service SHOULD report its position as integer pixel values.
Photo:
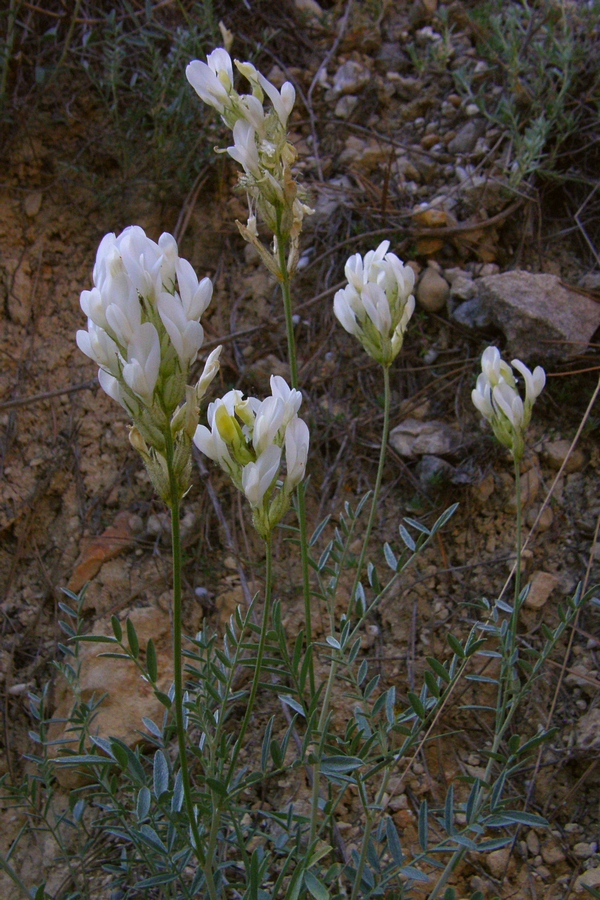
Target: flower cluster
(144, 333)
(247, 438)
(498, 400)
(260, 146)
(377, 302)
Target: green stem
(174, 504)
(382, 453)
(519, 542)
(264, 628)
(300, 491)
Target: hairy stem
(376, 492)
(300, 491)
(174, 504)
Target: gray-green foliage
(121, 70)
(542, 86)
(130, 812)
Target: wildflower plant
(498, 400)
(194, 825)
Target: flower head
(497, 398)
(377, 303)
(250, 438)
(260, 146)
(144, 333)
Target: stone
(590, 282)
(128, 697)
(541, 586)
(497, 862)
(467, 137)
(463, 288)
(555, 453)
(389, 57)
(350, 78)
(345, 106)
(583, 850)
(434, 438)
(97, 550)
(584, 678)
(365, 155)
(552, 852)
(591, 879)
(538, 315)
(471, 314)
(407, 87)
(587, 731)
(533, 843)
(546, 518)
(431, 468)
(309, 7)
(331, 196)
(432, 290)
(33, 204)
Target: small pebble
(582, 850)
(555, 453)
(432, 290)
(542, 585)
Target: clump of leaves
(118, 70)
(542, 86)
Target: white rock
(345, 106)
(32, 204)
(435, 438)
(555, 453)
(591, 878)
(350, 78)
(583, 850)
(539, 315)
(542, 585)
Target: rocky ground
(389, 148)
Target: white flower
(377, 303)
(96, 344)
(111, 386)
(257, 477)
(377, 307)
(211, 367)
(508, 401)
(344, 309)
(292, 399)
(245, 151)
(246, 438)
(494, 368)
(251, 111)
(297, 439)
(143, 362)
(212, 80)
(195, 295)
(186, 335)
(268, 421)
(497, 398)
(534, 381)
(283, 102)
